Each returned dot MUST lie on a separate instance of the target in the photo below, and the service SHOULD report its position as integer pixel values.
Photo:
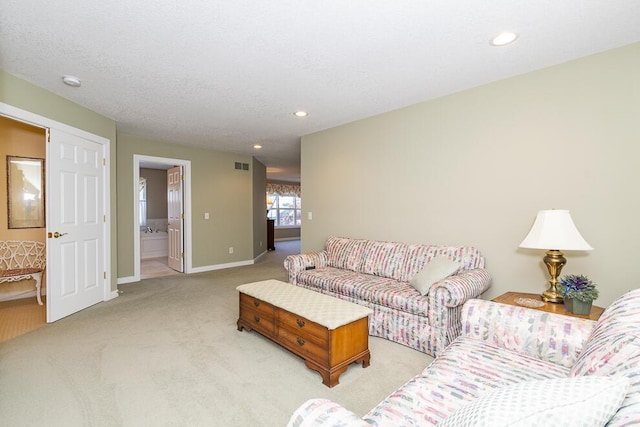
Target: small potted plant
(578, 293)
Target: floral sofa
(516, 366)
(379, 275)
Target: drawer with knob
(264, 309)
(257, 315)
(307, 346)
(297, 323)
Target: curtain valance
(283, 188)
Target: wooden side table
(510, 297)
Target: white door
(176, 218)
(75, 224)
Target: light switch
(309, 215)
(206, 215)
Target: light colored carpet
(167, 352)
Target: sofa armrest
(316, 412)
(446, 298)
(455, 290)
(296, 264)
(546, 336)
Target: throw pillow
(435, 270)
(576, 401)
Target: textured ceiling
(229, 74)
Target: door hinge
(105, 274)
(181, 254)
(104, 218)
(181, 216)
(48, 136)
(104, 162)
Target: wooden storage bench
(328, 333)
(21, 260)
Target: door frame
(37, 120)
(186, 201)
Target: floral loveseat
(516, 366)
(379, 275)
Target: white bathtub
(153, 245)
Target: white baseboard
(203, 269)
(129, 279)
(282, 239)
(221, 266)
(113, 294)
(259, 257)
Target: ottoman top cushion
(319, 308)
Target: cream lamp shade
(554, 231)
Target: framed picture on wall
(25, 192)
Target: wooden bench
(21, 260)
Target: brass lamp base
(554, 260)
(551, 295)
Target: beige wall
(287, 233)
(216, 187)
(18, 139)
(474, 168)
(156, 192)
(23, 95)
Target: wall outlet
(260, 243)
(231, 250)
(206, 215)
(309, 215)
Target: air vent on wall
(242, 166)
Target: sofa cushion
(434, 271)
(578, 401)
(614, 349)
(611, 356)
(366, 287)
(324, 412)
(345, 253)
(467, 370)
(617, 328)
(384, 259)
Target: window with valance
(284, 205)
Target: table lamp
(554, 231)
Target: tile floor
(155, 267)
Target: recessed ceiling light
(257, 146)
(72, 81)
(503, 39)
(301, 114)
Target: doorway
(151, 240)
(92, 271)
(19, 308)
